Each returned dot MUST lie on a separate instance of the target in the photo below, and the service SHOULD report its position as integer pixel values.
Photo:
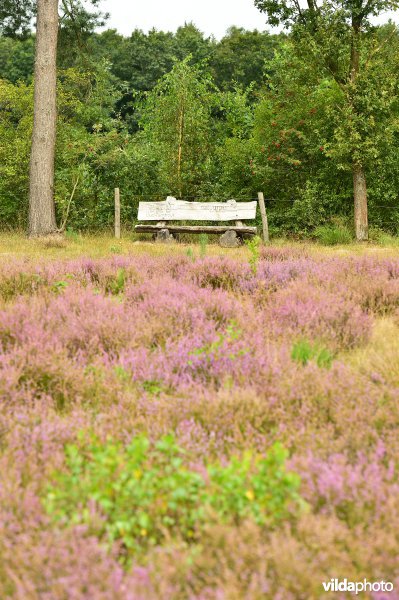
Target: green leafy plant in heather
(116, 286)
(122, 374)
(303, 352)
(216, 349)
(139, 493)
(255, 487)
(59, 286)
(153, 386)
(253, 246)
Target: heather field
(192, 424)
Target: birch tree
(177, 121)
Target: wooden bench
(171, 209)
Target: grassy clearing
(103, 245)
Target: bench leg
(230, 239)
(164, 236)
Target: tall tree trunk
(359, 177)
(180, 150)
(41, 196)
(360, 197)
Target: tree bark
(360, 197)
(359, 178)
(41, 195)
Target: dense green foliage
(182, 114)
(303, 352)
(146, 491)
(16, 17)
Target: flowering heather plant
(313, 311)
(228, 361)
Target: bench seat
(244, 229)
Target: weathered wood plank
(265, 224)
(117, 214)
(181, 210)
(196, 229)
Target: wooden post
(265, 225)
(117, 214)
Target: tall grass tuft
(333, 234)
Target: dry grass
(381, 355)
(102, 245)
(98, 246)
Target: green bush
(139, 493)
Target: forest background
(187, 115)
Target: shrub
(139, 493)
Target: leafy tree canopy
(17, 16)
(290, 12)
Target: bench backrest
(180, 210)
